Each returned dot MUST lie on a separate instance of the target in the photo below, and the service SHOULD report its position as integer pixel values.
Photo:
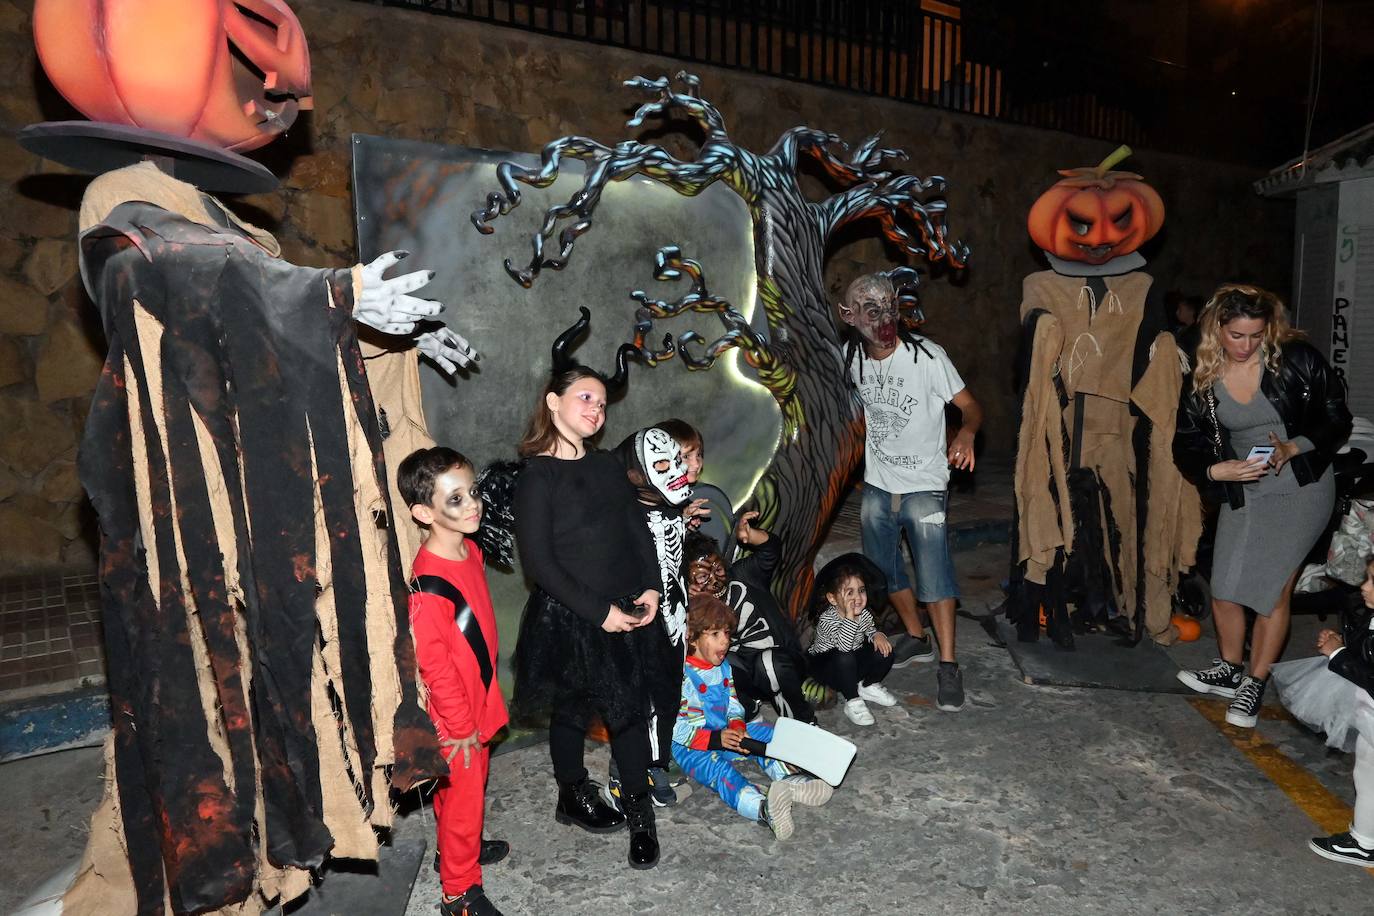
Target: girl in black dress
(585, 646)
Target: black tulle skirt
(566, 666)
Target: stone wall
(406, 74)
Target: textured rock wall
(405, 74)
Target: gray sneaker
(666, 791)
(949, 681)
(907, 649)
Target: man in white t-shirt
(904, 383)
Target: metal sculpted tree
(800, 358)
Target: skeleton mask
(871, 309)
(661, 457)
(707, 576)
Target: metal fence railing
(910, 50)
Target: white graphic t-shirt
(904, 397)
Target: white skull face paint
(662, 459)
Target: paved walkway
(1032, 800)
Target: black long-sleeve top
(581, 533)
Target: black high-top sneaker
(580, 804)
(1221, 679)
(1244, 709)
(639, 814)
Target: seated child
(849, 654)
(454, 629)
(710, 728)
(767, 659)
(1335, 694)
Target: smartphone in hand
(1260, 453)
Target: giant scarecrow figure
(261, 675)
(1104, 519)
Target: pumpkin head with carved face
(230, 73)
(1093, 215)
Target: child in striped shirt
(710, 729)
(849, 654)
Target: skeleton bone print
(669, 532)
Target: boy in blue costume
(710, 729)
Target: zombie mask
(660, 456)
(707, 575)
(870, 307)
(1094, 215)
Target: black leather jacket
(1355, 662)
(1307, 395)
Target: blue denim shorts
(884, 516)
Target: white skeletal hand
(386, 304)
(446, 349)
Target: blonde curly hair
(1229, 302)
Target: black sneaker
(664, 790)
(1244, 709)
(907, 649)
(471, 902)
(489, 853)
(949, 684)
(1342, 847)
(1221, 679)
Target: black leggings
(844, 671)
(629, 747)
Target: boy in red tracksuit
(455, 636)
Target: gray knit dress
(1262, 543)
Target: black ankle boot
(639, 814)
(580, 804)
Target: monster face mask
(660, 456)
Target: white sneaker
(857, 711)
(877, 693)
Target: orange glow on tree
(1094, 214)
(232, 73)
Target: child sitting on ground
(849, 654)
(454, 629)
(1336, 696)
(707, 740)
(767, 659)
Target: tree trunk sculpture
(800, 358)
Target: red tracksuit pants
(459, 801)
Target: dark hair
(415, 477)
(698, 546)
(540, 433)
(837, 577)
(685, 433)
(706, 613)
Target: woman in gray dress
(1257, 383)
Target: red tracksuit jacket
(458, 701)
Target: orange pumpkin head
(231, 73)
(1093, 215)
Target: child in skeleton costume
(656, 468)
(767, 659)
(1101, 391)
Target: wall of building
(404, 74)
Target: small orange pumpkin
(1188, 628)
(1093, 215)
(168, 65)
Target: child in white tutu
(1335, 694)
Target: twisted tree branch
(894, 202)
(717, 157)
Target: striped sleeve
(836, 632)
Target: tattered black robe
(261, 671)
